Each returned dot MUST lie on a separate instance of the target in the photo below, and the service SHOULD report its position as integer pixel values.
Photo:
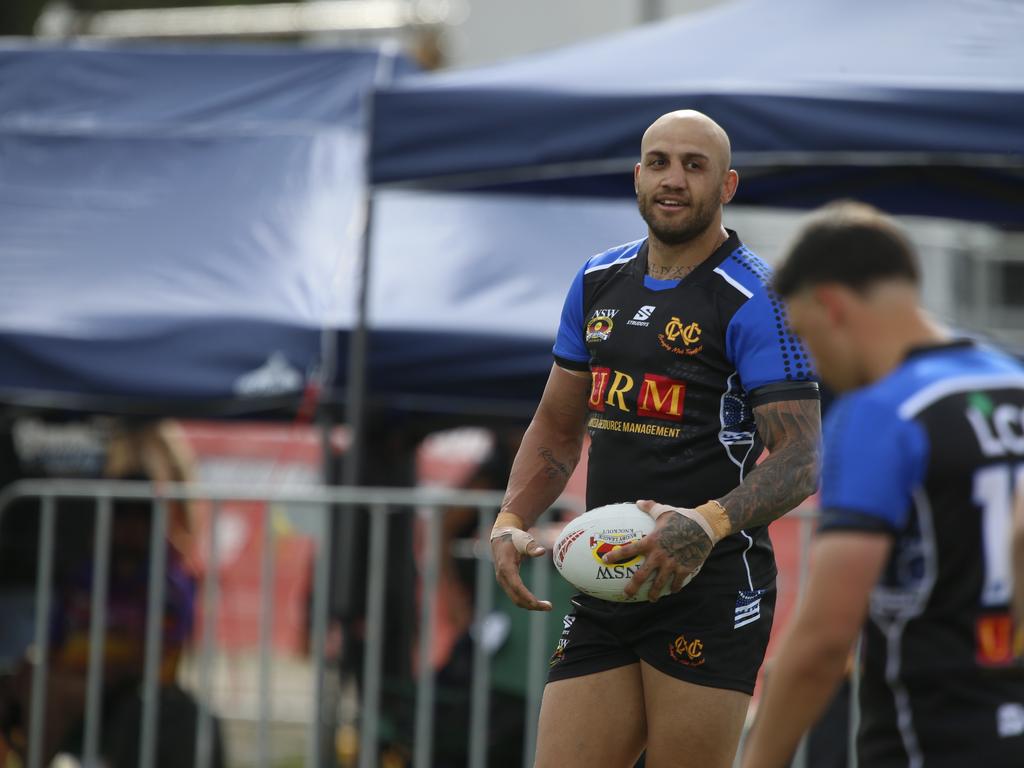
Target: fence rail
(379, 504)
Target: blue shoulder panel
(569, 343)
(873, 460)
(758, 340)
(617, 255)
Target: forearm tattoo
(684, 541)
(555, 469)
(791, 430)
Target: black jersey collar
(942, 346)
(720, 254)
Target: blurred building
(493, 30)
(456, 33)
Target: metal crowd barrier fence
(381, 503)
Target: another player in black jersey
(921, 456)
(677, 358)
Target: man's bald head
(683, 178)
(691, 126)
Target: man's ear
(636, 179)
(835, 300)
(730, 184)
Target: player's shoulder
(744, 274)
(928, 375)
(932, 374)
(614, 256)
(875, 404)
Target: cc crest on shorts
(687, 651)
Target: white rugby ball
(577, 552)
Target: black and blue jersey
(676, 369)
(930, 455)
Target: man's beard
(683, 232)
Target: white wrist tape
(700, 520)
(521, 540)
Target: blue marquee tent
(916, 105)
(178, 226)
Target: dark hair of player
(849, 243)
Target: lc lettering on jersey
(659, 397)
(1000, 433)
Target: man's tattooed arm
(791, 430)
(555, 469)
(551, 446)
(684, 541)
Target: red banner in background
(258, 455)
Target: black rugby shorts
(708, 636)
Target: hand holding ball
(579, 551)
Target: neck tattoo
(669, 273)
(659, 272)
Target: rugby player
(676, 357)
(921, 455)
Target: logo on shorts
(689, 653)
(748, 607)
(600, 325)
(559, 653)
(563, 641)
(1010, 720)
(681, 338)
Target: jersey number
(994, 493)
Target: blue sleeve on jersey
(760, 344)
(873, 461)
(569, 343)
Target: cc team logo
(600, 325)
(689, 653)
(681, 338)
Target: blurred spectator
(458, 575)
(149, 451)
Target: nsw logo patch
(600, 325)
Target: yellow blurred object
(8, 759)
(346, 744)
(279, 521)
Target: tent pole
(355, 391)
(344, 524)
(355, 394)
(344, 521)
